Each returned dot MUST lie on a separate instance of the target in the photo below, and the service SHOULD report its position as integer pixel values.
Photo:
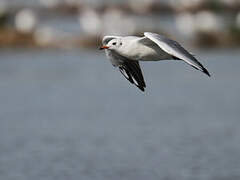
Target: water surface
(71, 115)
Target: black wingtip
(141, 88)
(206, 72)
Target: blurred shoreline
(73, 24)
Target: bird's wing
(130, 69)
(106, 39)
(174, 49)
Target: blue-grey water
(71, 115)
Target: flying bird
(126, 52)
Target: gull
(126, 52)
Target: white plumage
(126, 52)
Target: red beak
(103, 47)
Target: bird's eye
(120, 44)
(114, 43)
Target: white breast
(141, 52)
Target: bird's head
(114, 44)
